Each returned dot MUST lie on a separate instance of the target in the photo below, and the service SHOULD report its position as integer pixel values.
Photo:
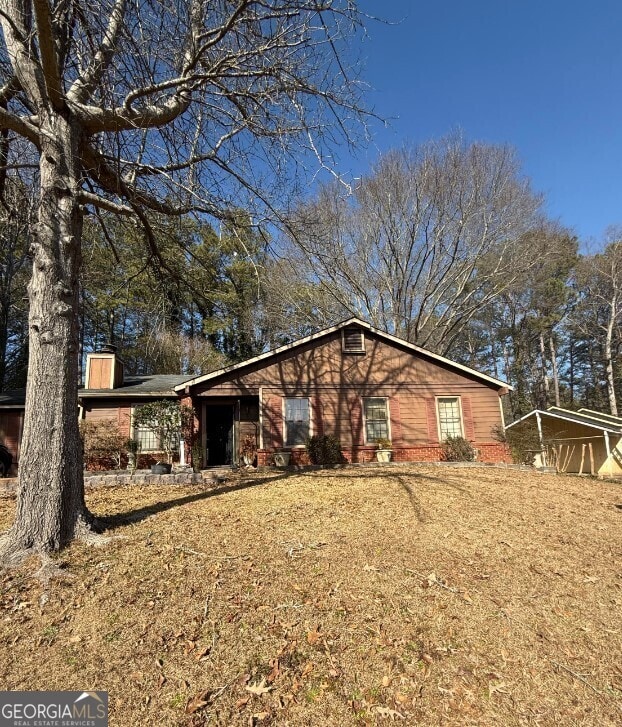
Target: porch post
(541, 438)
(608, 448)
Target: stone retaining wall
(8, 486)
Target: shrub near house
(165, 418)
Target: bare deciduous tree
(600, 281)
(138, 105)
(425, 241)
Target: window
(353, 340)
(376, 414)
(148, 440)
(449, 417)
(296, 422)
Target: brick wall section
(492, 452)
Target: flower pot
(161, 468)
(383, 455)
(281, 459)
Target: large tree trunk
(50, 505)
(553, 351)
(545, 375)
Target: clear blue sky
(545, 77)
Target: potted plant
(383, 451)
(164, 418)
(281, 459)
(248, 449)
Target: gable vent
(353, 340)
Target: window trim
(344, 349)
(388, 408)
(284, 433)
(438, 417)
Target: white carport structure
(582, 442)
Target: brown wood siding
(431, 421)
(336, 382)
(117, 413)
(99, 373)
(317, 417)
(118, 373)
(396, 420)
(273, 422)
(10, 431)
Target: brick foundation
(491, 452)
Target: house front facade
(351, 381)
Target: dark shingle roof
(157, 385)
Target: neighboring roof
(157, 385)
(332, 329)
(575, 417)
(600, 415)
(11, 399)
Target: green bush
(197, 455)
(523, 441)
(457, 449)
(166, 419)
(324, 449)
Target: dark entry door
(219, 434)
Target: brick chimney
(104, 370)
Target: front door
(218, 434)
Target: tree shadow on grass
(112, 522)
(406, 481)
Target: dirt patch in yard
(418, 594)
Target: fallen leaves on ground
(417, 594)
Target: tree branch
(84, 86)
(19, 125)
(96, 200)
(49, 58)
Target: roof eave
(554, 415)
(116, 394)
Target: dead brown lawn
(424, 595)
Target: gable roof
(594, 421)
(325, 332)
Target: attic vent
(353, 340)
